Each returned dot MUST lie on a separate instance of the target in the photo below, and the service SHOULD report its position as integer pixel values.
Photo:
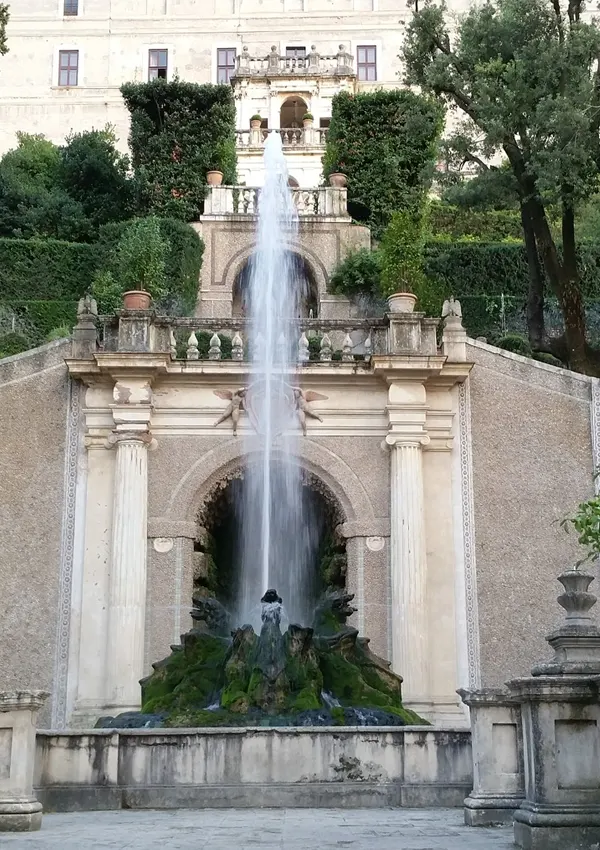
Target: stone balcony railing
(326, 201)
(313, 64)
(296, 137)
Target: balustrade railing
(243, 200)
(274, 64)
(317, 340)
(294, 137)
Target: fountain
(322, 674)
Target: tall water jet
(278, 538)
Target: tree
(3, 22)
(525, 75)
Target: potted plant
(255, 122)
(402, 260)
(307, 120)
(586, 523)
(137, 269)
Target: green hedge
(45, 269)
(475, 268)
(183, 262)
(484, 225)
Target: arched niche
(292, 111)
(299, 268)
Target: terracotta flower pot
(136, 299)
(340, 181)
(402, 302)
(214, 178)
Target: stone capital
(406, 440)
(132, 435)
(22, 700)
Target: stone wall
(34, 396)
(225, 768)
(532, 464)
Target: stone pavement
(260, 829)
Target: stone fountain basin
(343, 767)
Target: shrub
(179, 131)
(402, 253)
(483, 225)
(515, 343)
(358, 273)
(13, 343)
(35, 320)
(385, 142)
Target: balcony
(298, 138)
(325, 202)
(313, 64)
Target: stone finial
(576, 643)
(454, 336)
(303, 349)
(172, 344)
(192, 347)
(85, 336)
(237, 347)
(214, 352)
(87, 306)
(451, 308)
(368, 345)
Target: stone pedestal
(19, 809)
(496, 739)
(127, 594)
(561, 736)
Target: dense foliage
(586, 524)
(3, 23)
(45, 269)
(359, 273)
(524, 75)
(179, 131)
(484, 225)
(385, 142)
(64, 192)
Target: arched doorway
(309, 298)
(218, 550)
(292, 112)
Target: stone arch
(222, 462)
(238, 260)
(309, 300)
(292, 111)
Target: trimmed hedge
(183, 261)
(36, 319)
(476, 268)
(484, 225)
(45, 269)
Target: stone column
(408, 564)
(19, 809)
(127, 593)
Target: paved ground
(261, 829)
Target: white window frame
(223, 45)
(145, 59)
(60, 48)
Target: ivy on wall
(179, 131)
(385, 142)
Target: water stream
(278, 536)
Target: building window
(367, 63)
(295, 57)
(225, 64)
(158, 61)
(71, 7)
(68, 67)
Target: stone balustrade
(340, 64)
(293, 137)
(326, 201)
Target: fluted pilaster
(409, 573)
(127, 597)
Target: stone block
(498, 774)
(19, 809)
(561, 738)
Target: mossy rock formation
(322, 675)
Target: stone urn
(255, 123)
(339, 180)
(214, 178)
(576, 600)
(136, 299)
(307, 123)
(402, 302)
